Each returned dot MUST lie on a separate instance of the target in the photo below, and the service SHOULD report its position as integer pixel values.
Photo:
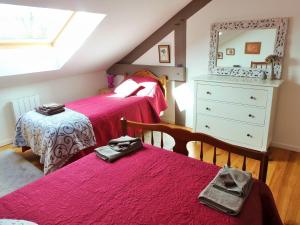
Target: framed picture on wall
(164, 53)
(220, 55)
(252, 47)
(230, 51)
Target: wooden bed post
(124, 126)
(264, 167)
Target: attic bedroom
(149, 112)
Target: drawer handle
(206, 126)
(252, 97)
(249, 135)
(251, 116)
(207, 108)
(208, 93)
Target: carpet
(15, 172)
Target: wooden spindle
(215, 155)
(244, 163)
(229, 159)
(161, 139)
(201, 151)
(134, 134)
(152, 138)
(143, 136)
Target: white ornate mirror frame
(280, 24)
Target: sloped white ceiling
(127, 24)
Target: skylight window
(23, 24)
(36, 39)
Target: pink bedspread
(152, 186)
(105, 112)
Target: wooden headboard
(161, 79)
(183, 136)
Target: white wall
(287, 129)
(151, 58)
(60, 90)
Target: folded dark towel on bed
(52, 106)
(233, 181)
(228, 191)
(49, 112)
(118, 148)
(50, 109)
(122, 140)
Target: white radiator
(24, 105)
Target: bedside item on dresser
(236, 109)
(272, 59)
(228, 36)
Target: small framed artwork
(230, 51)
(252, 48)
(220, 55)
(164, 53)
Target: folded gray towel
(241, 181)
(123, 139)
(113, 152)
(227, 199)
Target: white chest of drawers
(237, 110)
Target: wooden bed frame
(162, 79)
(183, 136)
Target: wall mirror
(240, 48)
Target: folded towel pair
(52, 106)
(50, 109)
(118, 148)
(228, 191)
(49, 112)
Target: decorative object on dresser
(236, 109)
(272, 59)
(270, 33)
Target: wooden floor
(283, 174)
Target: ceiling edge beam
(174, 73)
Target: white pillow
(126, 88)
(148, 90)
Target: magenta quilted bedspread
(152, 186)
(105, 112)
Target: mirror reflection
(245, 48)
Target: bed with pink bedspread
(69, 135)
(105, 111)
(151, 186)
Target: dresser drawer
(235, 132)
(232, 94)
(231, 111)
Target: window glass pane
(31, 24)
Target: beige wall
(60, 90)
(287, 125)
